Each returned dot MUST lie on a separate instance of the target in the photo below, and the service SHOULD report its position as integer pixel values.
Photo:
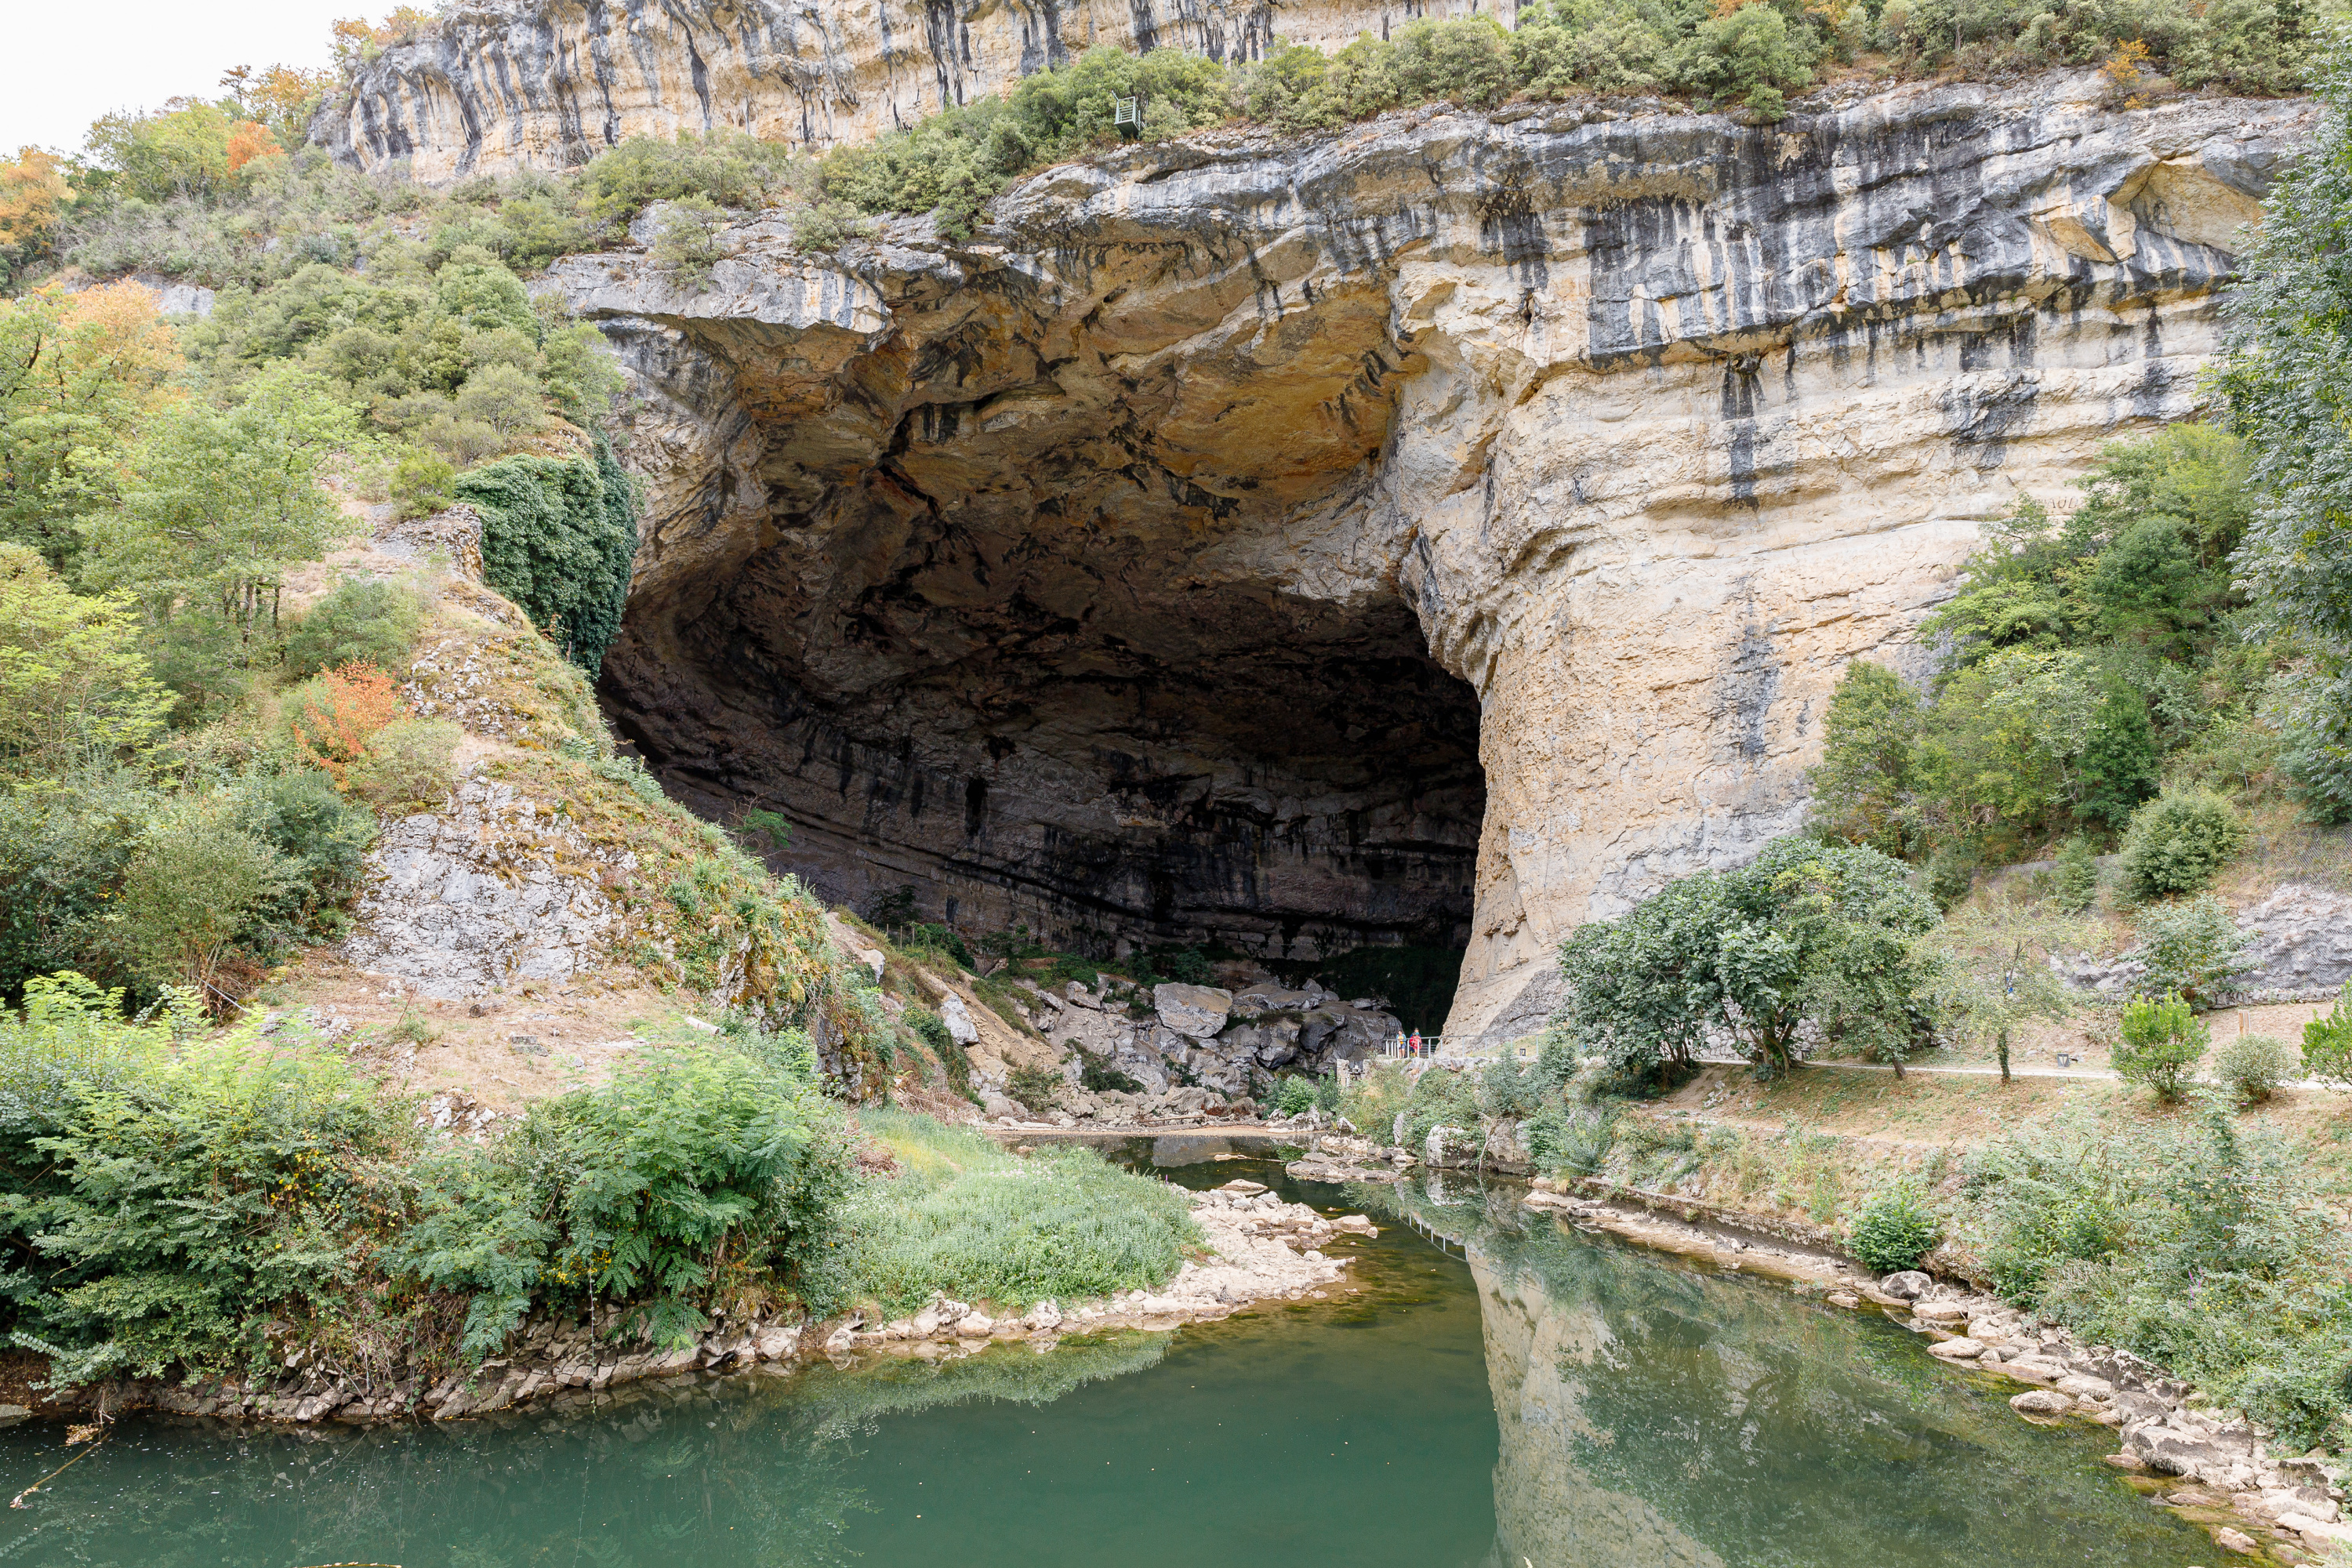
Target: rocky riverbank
(2218, 1468)
(1255, 1247)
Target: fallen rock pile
(2164, 1428)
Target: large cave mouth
(1087, 735)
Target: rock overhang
(1640, 425)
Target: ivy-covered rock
(558, 537)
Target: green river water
(1517, 1396)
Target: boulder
(2236, 1541)
(1957, 1350)
(958, 1018)
(2042, 1402)
(976, 1326)
(1907, 1285)
(996, 1105)
(1198, 1012)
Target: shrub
(2327, 1043)
(408, 765)
(363, 621)
(1035, 1087)
(2193, 947)
(691, 1176)
(1951, 875)
(2253, 1066)
(187, 893)
(2178, 842)
(182, 1203)
(2203, 1244)
(2162, 1040)
(2074, 880)
(686, 240)
(1895, 1230)
(1559, 1140)
(1294, 1095)
(1097, 1074)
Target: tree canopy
(1808, 941)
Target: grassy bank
(960, 1214)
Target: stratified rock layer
(503, 85)
(1090, 571)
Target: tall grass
(964, 1217)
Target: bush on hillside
(2162, 1042)
(2179, 842)
(363, 621)
(197, 877)
(2254, 1066)
(1895, 1230)
(2193, 947)
(409, 766)
(2327, 1043)
(2074, 880)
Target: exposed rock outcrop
(1149, 565)
(502, 86)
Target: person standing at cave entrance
(1412, 1047)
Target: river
(1516, 1396)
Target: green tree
(78, 374)
(2162, 1040)
(1807, 939)
(75, 688)
(218, 504)
(2290, 337)
(1861, 787)
(2120, 757)
(1990, 971)
(2002, 745)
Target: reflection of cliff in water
(1656, 1414)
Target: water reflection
(1535, 1399)
(1653, 1413)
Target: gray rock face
(461, 902)
(958, 1018)
(1444, 530)
(497, 87)
(2301, 942)
(1197, 1011)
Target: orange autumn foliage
(249, 140)
(338, 712)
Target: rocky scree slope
(1446, 529)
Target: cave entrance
(1122, 761)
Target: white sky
(68, 63)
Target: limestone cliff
(1447, 529)
(502, 86)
